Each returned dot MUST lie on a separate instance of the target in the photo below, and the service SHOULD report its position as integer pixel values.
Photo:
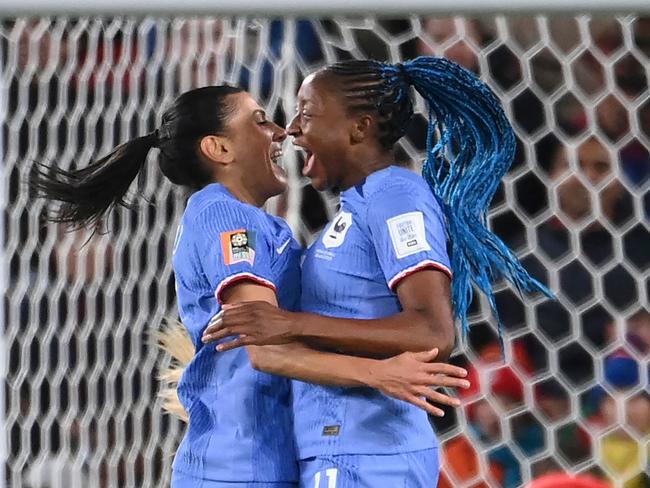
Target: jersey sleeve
(407, 229)
(232, 246)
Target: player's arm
(425, 322)
(406, 230)
(407, 377)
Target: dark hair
(89, 193)
(365, 88)
(470, 146)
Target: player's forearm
(406, 331)
(300, 362)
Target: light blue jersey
(388, 227)
(240, 427)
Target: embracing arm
(425, 322)
(407, 377)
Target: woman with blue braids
(378, 281)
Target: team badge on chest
(335, 233)
(238, 246)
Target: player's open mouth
(309, 162)
(276, 156)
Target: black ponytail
(89, 193)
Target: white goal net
(78, 361)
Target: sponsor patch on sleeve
(238, 246)
(408, 234)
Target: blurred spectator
(621, 373)
(581, 204)
(505, 384)
(595, 165)
(612, 119)
(263, 78)
(614, 111)
(552, 400)
(455, 39)
(636, 332)
(624, 455)
(622, 451)
(461, 460)
(638, 414)
(195, 49)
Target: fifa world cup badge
(238, 246)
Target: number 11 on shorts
(331, 478)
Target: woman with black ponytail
(378, 281)
(218, 142)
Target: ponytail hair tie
(153, 138)
(403, 72)
(160, 135)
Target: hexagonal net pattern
(568, 395)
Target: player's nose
(293, 128)
(279, 134)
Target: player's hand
(253, 323)
(412, 375)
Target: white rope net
(80, 366)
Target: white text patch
(408, 234)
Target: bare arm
(407, 377)
(425, 322)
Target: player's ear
(217, 149)
(361, 128)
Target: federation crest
(238, 246)
(335, 233)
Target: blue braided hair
(470, 146)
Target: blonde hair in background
(176, 344)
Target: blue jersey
(388, 227)
(240, 426)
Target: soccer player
(219, 142)
(378, 280)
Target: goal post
(76, 359)
(3, 288)
(292, 8)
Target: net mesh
(572, 394)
